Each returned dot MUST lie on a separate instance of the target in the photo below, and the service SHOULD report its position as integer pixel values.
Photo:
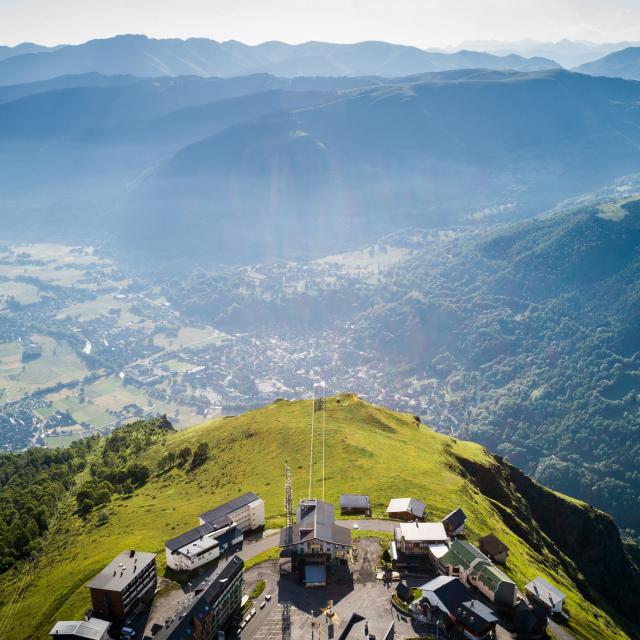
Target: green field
(22, 292)
(45, 412)
(368, 450)
(86, 412)
(58, 363)
(61, 442)
(187, 336)
(180, 366)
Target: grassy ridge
(368, 449)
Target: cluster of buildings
(317, 545)
(130, 579)
(464, 569)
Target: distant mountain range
(568, 53)
(620, 64)
(146, 57)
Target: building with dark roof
(354, 504)
(492, 546)
(315, 540)
(126, 580)
(92, 629)
(530, 621)
(447, 600)
(475, 620)
(200, 545)
(245, 512)
(214, 603)
(454, 522)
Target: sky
(423, 23)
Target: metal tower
(288, 500)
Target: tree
(184, 455)
(200, 456)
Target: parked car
(247, 618)
(127, 632)
(262, 604)
(267, 597)
(253, 612)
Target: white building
(539, 590)
(406, 509)
(92, 629)
(200, 545)
(416, 538)
(245, 512)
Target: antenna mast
(288, 500)
(313, 416)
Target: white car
(247, 618)
(242, 625)
(262, 604)
(253, 612)
(268, 597)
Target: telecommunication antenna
(288, 501)
(313, 418)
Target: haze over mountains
(142, 56)
(366, 154)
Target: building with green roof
(470, 565)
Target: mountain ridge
(142, 56)
(444, 471)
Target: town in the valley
(332, 572)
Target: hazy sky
(424, 23)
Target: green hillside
(368, 449)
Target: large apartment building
(200, 545)
(127, 579)
(245, 512)
(215, 602)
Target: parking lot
(296, 612)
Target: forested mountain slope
(533, 332)
(130, 490)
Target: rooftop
(92, 629)
(493, 545)
(408, 505)
(544, 591)
(463, 554)
(448, 590)
(455, 519)
(315, 519)
(354, 501)
(475, 615)
(221, 513)
(195, 534)
(491, 576)
(422, 532)
(121, 570)
(213, 587)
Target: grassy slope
(369, 449)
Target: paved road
(560, 632)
